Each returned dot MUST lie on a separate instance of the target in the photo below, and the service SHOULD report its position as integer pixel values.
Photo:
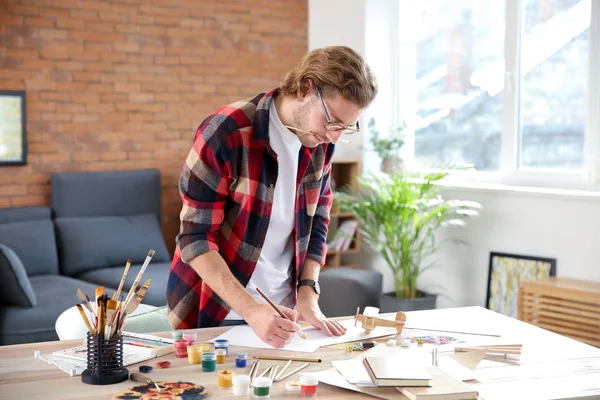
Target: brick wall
(123, 84)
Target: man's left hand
(309, 311)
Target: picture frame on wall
(13, 129)
(505, 272)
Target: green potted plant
(388, 147)
(399, 215)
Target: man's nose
(334, 136)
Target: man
(256, 200)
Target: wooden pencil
(281, 314)
(300, 359)
(292, 372)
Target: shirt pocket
(312, 192)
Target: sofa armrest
(344, 289)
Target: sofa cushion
(15, 288)
(111, 277)
(105, 193)
(34, 243)
(90, 243)
(55, 294)
(17, 214)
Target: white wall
(546, 225)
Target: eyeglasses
(330, 126)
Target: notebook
(444, 387)
(386, 371)
(136, 348)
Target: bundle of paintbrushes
(108, 315)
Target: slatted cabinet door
(568, 307)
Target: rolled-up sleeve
(203, 187)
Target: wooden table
(551, 366)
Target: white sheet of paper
(354, 372)
(315, 338)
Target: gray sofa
(96, 222)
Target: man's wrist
(307, 292)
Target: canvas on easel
(505, 272)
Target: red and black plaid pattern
(227, 185)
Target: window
(503, 86)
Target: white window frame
(587, 178)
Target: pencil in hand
(281, 313)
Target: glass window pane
(554, 80)
(459, 82)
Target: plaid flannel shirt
(227, 186)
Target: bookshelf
(343, 173)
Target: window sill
(524, 191)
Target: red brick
(123, 84)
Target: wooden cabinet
(343, 173)
(569, 307)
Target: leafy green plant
(399, 215)
(389, 146)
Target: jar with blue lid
(241, 359)
(222, 344)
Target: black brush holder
(104, 361)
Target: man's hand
(309, 311)
(270, 327)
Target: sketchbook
(136, 348)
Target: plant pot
(392, 165)
(390, 303)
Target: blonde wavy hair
(334, 68)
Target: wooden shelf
(343, 174)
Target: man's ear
(305, 89)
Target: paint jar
(190, 336)
(180, 348)
(292, 386)
(241, 359)
(209, 362)
(241, 385)
(222, 344)
(178, 334)
(226, 378)
(262, 387)
(308, 385)
(221, 356)
(194, 352)
(205, 347)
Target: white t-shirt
(272, 274)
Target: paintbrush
(85, 319)
(85, 300)
(111, 306)
(140, 291)
(101, 307)
(137, 377)
(118, 292)
(137, 298)
(138, 278)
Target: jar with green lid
(209, 362)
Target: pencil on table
(300, 359)
(281, 314)
(293, 372)
(265, 371)
(287, 364)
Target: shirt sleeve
(203, 187)
(317, 245)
